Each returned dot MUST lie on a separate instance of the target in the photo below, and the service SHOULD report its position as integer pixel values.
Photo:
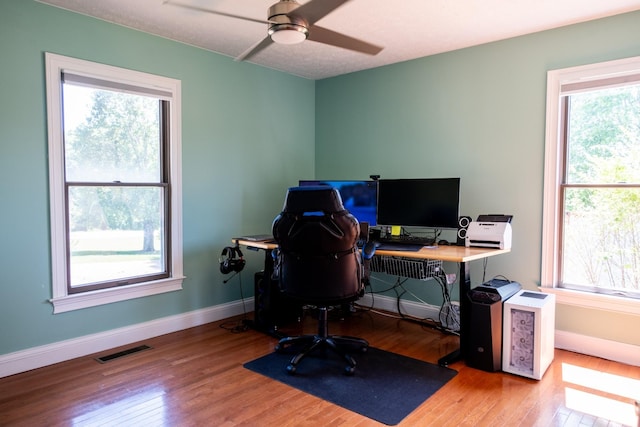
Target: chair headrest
(313, 199)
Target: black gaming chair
(317, 263)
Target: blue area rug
(386, 387)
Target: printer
(490, 231)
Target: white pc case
(528, 333)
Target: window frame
(559, 83)
(62, 300)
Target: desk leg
(464, 281)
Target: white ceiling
(407, 29)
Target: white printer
(490, 231)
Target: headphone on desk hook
(231, 260)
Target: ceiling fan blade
(315, 10)
(254, 49)
(322, 35)
(214, 12)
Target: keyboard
(402, 247)
(407, 240)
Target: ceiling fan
(290, 23)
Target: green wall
(476, 113)
(239, 155)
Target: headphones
(231, 260)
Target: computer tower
(529, 329)
(272, 308)
(484, 340)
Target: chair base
(322, 340)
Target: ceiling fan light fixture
(288, 33)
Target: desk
(458, 254)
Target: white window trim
(553, 177)
(61, 300)
(596, 301)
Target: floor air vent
(110, 357)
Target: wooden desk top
(268, 245)
(441, 253)
(446, 253)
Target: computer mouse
(443, 243)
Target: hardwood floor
(195, 378)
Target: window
(115, 190)
(591, 225)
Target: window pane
(110, 136)
(601, 238)
(604, 136)
(113, 177)
(116, 233)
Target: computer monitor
(429, 203)
(359, 197)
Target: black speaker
(463, 225)
(364, 231)
(272, 308)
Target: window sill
(106, 296)
(597, 301)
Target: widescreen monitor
(429, 203)
(358, 197)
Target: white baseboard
(411, 308)
(606, 349)
(611, 350)
(37, 357)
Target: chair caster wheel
(349, 370)
(291, 369)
